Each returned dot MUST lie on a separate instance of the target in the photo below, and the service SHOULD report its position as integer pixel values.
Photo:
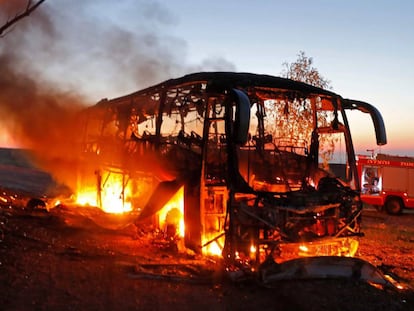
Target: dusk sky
(104, 48)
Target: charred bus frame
(267, 163)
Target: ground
(69, 260)
(78, 258)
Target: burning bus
(244, 165)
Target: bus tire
(394, 206)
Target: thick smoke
(69, 54)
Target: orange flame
(173, 213)
(112, 199)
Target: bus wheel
(394, 206)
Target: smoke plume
(69, 54)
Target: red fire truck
(387, 182)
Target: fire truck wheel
(394, 206)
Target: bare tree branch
(303, 70)
(29, 9)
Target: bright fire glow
(213, 248)
(87, 197)
(113, 199)
(253, 249)
(173, 212)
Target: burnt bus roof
(220, 81)
(227, 80)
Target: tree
(291, 120)
(30, 7)
(303, 71)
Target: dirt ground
(68, 259)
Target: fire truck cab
(387, 182)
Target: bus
(249, 166)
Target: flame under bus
(266, 165)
